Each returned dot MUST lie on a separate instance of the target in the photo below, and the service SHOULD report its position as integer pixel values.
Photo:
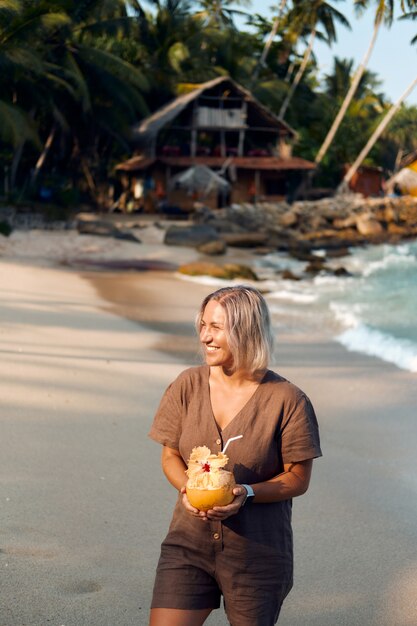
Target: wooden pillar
(222, 144)
(193, 144)
(241, 145)
(193, 147)
(257, 185)
(167, 179)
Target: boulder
(288, 275)
(90, 224)
(289, 218)
(228, 271)
(190, 236)
(367, 225)
(341, 271)
(245, 240)
(213, 248)
(316, 266)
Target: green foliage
(75, 75)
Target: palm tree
(385, 120)
(269, 41)
(384, 14)
(23, 66)
(60, 79)
(374, 137)
(220, 13)
(309, 14)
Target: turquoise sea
(373, 311)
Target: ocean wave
(390, 260)
(348, 315)
(367, 340)
(212, 281)
(294, 296)
(360, 337)
(381, 258)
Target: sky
(393, 58)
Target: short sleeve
(300, 439)
(166, 427)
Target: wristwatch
(250, 494)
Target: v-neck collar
(244, 407)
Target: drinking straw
(229, 441)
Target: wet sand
(85, 360)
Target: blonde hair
(248, 326)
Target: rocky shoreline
(315, 232)
(331, 223)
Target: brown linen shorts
(187, 580)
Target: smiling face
(213, 336)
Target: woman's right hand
(190, 508)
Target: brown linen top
(278, 425)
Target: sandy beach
(86, 356)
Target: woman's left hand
(220, 513)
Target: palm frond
(113, 65)
(15, 126)
(112, 27)
(77, 77)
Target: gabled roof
(151, 126)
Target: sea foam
(362, 338)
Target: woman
(242, 551)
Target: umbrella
(199, 178)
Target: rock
(367, 225)
(228, 271)
(90, 224)
(390, 214)
(213, 248)
(397, 229)
(316, 266)
(245, 240)
(301, 254)
(341, 271)
(290, 218)
(125, 235)
(346, 222)
(338, 252)
(288, 275)
(190, 236)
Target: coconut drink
(208, 484)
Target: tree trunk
(88, 177)
(43, 155)
(375, 136)
(298, 76)
(269, 41)
(17, 155)
(353, 87)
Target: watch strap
(249, 494)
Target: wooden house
(367, 180)
(217, 125)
